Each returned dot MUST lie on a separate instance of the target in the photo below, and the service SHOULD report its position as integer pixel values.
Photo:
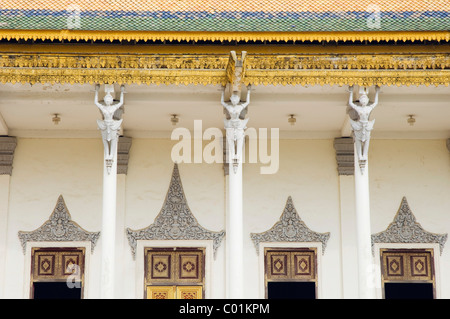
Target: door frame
(58, 245)
(377, 263)
(140, 260)
(284, 245)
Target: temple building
(223, 149)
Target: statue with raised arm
(361, 125)
(110, 125)
(235, 124)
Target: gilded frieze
(214, 68)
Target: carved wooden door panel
(407, 266)
(57, 268)
(174, 273)
(174, 292)
(290, 265)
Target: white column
(359, 113)
(4, 204)
(345, 159)
(108, 233)
(7, 147)
(235, 136)
(363, 232)
(234, 235)
(348, 237)
(122, 247)
(110, 127)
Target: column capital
(123, 150)
(7, 147)
(345, 155)
(226, 166)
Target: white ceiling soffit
(320, 111)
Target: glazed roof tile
(226, 15)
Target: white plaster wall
(46, 168)
(308, 174)
(4, 205)
(419, 170)
(149, 173)
(43, 170)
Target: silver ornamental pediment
(290, 228)
(59, 227)
(405, 229)
(175, 221)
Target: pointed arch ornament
(175, 221)
(405, 229)
(59, 227)
(290, 228)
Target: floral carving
(160, 267)
(59, 227)
(189, 266)
(175, 221)
(290, 228)
(405, 229)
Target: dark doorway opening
(291, 290)
(55, 290)
(408, 290)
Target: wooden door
(174, 273)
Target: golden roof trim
(260, 69)
(346, 36)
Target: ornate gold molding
(349, 61)
(260, 69)
(110, 61)
(221, 61)
(91, 76)
(348, 77)
(87, 35)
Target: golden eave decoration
(177, 36)
(360, 68)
